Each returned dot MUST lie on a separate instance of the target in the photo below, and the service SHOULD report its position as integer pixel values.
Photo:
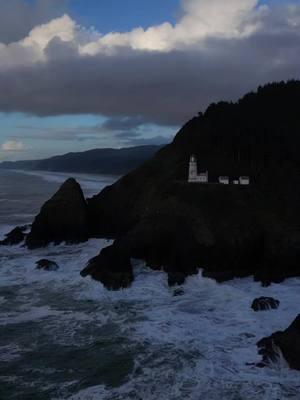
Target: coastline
(195, 344)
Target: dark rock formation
(16, 236)
(178, 292)
(47, 265)
(112, 267)
(62, 218)
(165, 242)
(286, 342)
(230, 231)
(265, 303)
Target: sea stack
(63, 218)
(285, 342)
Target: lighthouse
(193, 172)
(194, 177)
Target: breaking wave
(66, 337)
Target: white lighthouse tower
(194, 177)
(193, 171)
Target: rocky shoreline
(230, 231)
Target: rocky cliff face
(285, 342)
(62, 218)
(229, 231)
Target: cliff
(228, 230)
(155, 215)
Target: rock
(62, 218)
(235, 231)
(265, 303)
(285, 342)
(176, 278)
(16, 236)
(228, 230)
(164, 246)
(178, 292)
(47, 265)
(268, 276)
(223, 276)
(112, 267)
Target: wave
(148, 342)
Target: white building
(224, 180)
(244, 180)
(194, 177)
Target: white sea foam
(92, 393)
(4, 200)
(9, 353)
(195, 346)
(4, 229)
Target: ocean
(66, 337)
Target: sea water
(67, 337)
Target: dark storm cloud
(130, 134)
(156, 140)
(164, 88)
(19, 17)
(121, 123)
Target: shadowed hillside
(258, 136)
(97, 161)
(155, 215)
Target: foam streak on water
(65, 337)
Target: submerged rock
(16, 236)
(47, 265)
(226, 275)
(62, 218)
(265, 303)
(285, 342)
(178, 292)
(112, 267)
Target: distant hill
(101, 161)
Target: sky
(82, 74)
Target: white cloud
(201, 19)
(217, 49)
(63, 28)
(31, 49)
(12, 145)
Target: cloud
(200, 19)
(123, 123)
(112, 132)
(19, 17)
(155, 140)
(161, 75)
(12, 145)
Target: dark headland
(228, 230)
(96, 161)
